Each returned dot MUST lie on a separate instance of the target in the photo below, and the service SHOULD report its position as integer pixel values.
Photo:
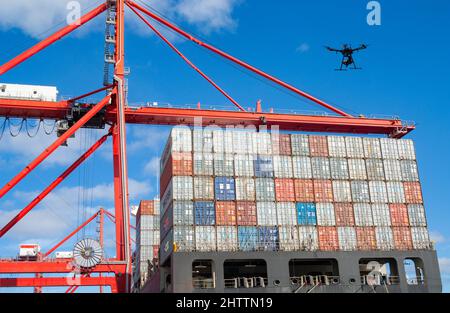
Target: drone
(347, 56)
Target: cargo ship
(257, 211)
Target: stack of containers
(147, 236)
(256, 191)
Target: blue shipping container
(306, 214)
(205, 213)
(268, 238)
(225, 189)
(248, 238)
(263, 167)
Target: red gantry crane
(113, 110)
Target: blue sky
(405, 73)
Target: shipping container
(268, 238)
(409, 170)
(205, 238)
(355, 148)
(396, 192)
(225, 188)
(148, 222)
(178, 164)
(378, 192)
(420, 238)
(336, 147)
(265, 189)
(223, 141)
(406, 149)
(284, 190)
(360, 191)
(366, 238)
(302, 167)
(392, 170)
(339, 168)
(328, 238)
(246, 213)
(282, 166)
(381, 214)
(281, 144)
(286, 213)
(344, 214)
(402, 238)
(320, 168)
(203, 188)
(389, 148)
(347, 238)
(372, 148)
(223, 165)
(248, 238)
(245, 189)
(203, 140)
(323, 191)
(243, 165)
(205, 213)
(226, 213)
(357, 169)
(263, 166)
(183, 238)
(148, 237)
(300, 145)
(385, 238)
(146, 207)
(318, 146)
(363, 214)
(203, 164)
(325, 214)
(180, 140)
(375, 169)
(399, 214)
(263, 143)
(227, 238)
(306, 214)
(416, 214)
(304, 190)
(266, 213)
(342, 191)
(308, 238)
(243, 142)
(288, 238)
(180, 213)
(413, 192)
(179, 188)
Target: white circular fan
(87, 253)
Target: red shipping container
(328, 238)
(413, 192)
(344, 214)
(318, 146)
(402, 238)
(366, 238)
(146, 207)
(179, 164)
(399, 214)
(281, 144)
(304, 190)
(246, 213)
(156, 252)
(284, 190)
(323, 191)
(226, 213)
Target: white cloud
(444, 265)
(437, 237)
(303, 48)
(152, 166)
(147, 138)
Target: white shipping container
(341, 191)
(363, 214)
(149, 238)
(320, 168)
(203, 188)
(339, 168)
(354, 147)
(282, 166)
(179, 188)
(378, 192)
(336, 147)
(263, 143)
(375, 169)
(265, 189)
(240, 142)
(406, 149)
(243, 165)
(392, 170)
(266, 213)
(288, 238)
(183, 213)
(308, 238)
(203, 140)
(205, 238)
(222, 141)
(347, 238)
(372, 148)
(325, 214)
(396, 192)
(357, 169)
(409, 170)
(300, 145)
(381, 214)
(223, 165)
(183, 238)
(416, 213)
(28, 92)
(148, 222)
(227, 239)
(203, 164)
(245, 189)
(420, 238)
(389, 148)
(360, 191)
(385, 238)
(286, 213)
(302, 167)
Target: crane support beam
(229, 57)
(58, 281)
(52, 39)
(55, 266)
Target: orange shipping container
(402, 238)
(318, 146)
(284, 190)
(146, 207)
(246, 213)
(413, 192)
(281, 144)
(399, 214)
(366, 238)
(179, 164)
(323, 191)
(344, 214)
(225, 213)
(328, 238)
(304, 190)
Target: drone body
(347, 56)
